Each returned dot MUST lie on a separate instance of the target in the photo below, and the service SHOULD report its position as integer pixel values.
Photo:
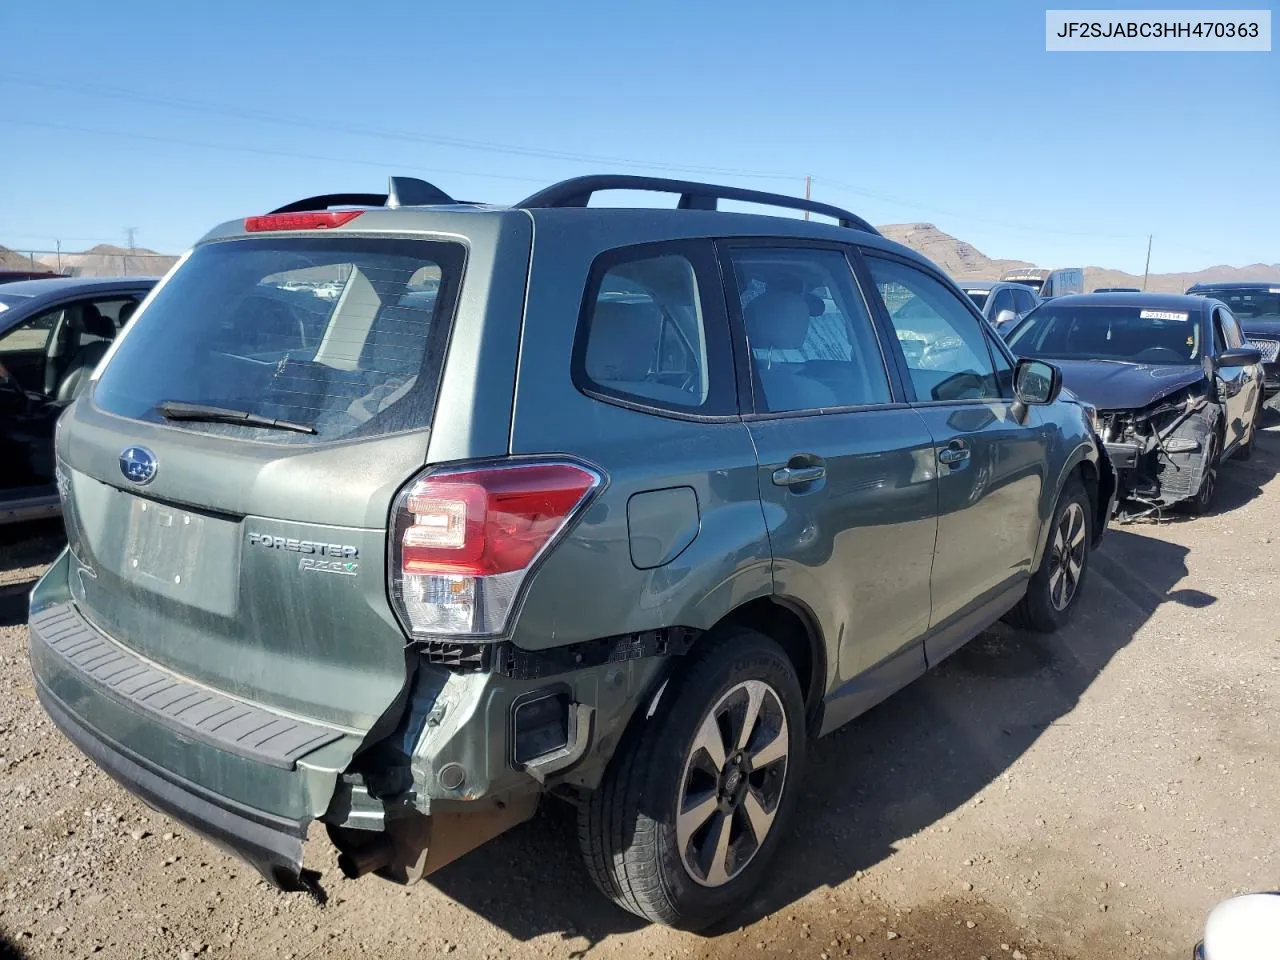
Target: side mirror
(1003, 317)
(1239, 357)
(1242, 928)
(1037, 382)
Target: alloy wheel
(1066, 562)
(1210, 481)
(732, 783)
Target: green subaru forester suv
(398, 513)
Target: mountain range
(964, 261)
(960, 259)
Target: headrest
(127, 311)
(95, 324)
(777, 319)
(622, 342)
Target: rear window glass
(341, 335)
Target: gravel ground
(1087, 795)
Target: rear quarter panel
(588, 587)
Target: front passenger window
(943, 342)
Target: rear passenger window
(651, 336)
(811, 340)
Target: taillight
(464, 541)
(314, 220)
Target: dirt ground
(1086, 795)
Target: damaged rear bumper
(271, 844)
(249, 780)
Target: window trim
(864, 254)
(741, 348)
(722, 387)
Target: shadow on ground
(25, 550)
(10, 950)
(893, 772)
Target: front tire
(696, 801)
(1055, 587)
(1202, 502)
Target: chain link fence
(96, 262)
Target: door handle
(953, 455)
(792, 476)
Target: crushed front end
(1159, 451)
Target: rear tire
(1056, 585)
(680, 831)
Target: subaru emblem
(138, 464)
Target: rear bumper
(230, 778)
(271, 844)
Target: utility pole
(124, 261)
(808, 188)
(1147, 271)
(58, 244)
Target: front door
(990, 464)
(847, 478)
(1237, 386)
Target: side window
(1004, 370)
(1023, 301)
(645, 335)
(1231, 329)
(24, 347)
(944, 344)
(30, 336)
(811, 340)
(1219, 336)
(1003, 300)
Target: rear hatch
(228, 482)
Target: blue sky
(945, 112)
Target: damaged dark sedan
(1175, 383)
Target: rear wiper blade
(205, 413)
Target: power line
(153, 138)
(202, 106)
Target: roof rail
(401, 192)
(693, 196)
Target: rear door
(252, 559)
(990, 466)
(846, 473)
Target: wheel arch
(794, 627)
(1098, 483)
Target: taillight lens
(464, 541)
(315, 220)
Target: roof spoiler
(401, 192)
(693, 196)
